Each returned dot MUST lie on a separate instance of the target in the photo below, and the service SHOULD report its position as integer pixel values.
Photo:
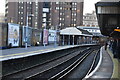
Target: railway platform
(108, 67)
(14, 53)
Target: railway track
(20, 74)
(70, 68)
(93, 65)
(57, 68)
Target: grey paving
(14, 53)
(29, 49)
(32, 48)
(106, 68)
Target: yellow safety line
(115, 66)
(29, 52)
(25, 52)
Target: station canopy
(74, 31)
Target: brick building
(46, 14)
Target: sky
(2, 6)
(88, 6)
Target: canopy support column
(63, 40)
(73, 39)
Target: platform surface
(23, 52)
(30, 51)
(105, 69)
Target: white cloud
(2, 6)
(89, 5)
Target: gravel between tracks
(41, 68)
(80, 72)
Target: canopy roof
(74, 31)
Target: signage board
(45, 9)
(52, 34)
(13, 34)
(27, 35)
(45, 36)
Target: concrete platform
(105, 69)
(116, 70)
(14, 53)
(22, 52)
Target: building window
(61, 8)
(60, 24)
(68, 8)
(21, 12)
(36, 7)
(75, 9)
(21, 17)
(28, 7)
(50, 24)
(74, 24)
(36, 17)
(57, 8)
(44, 19)
(29, 23)
(60, 18)
(75, 3)
(71, 24)
(36, 12)
(45, 9)
(61, 13)
(44, 15)
(36, 23)
(44, 24)
(21, 2)
(21, 23)
(30, 2)
(57, 2)
(21, 7)
(75, 14)
(29, 18)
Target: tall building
(46, 14)
(66, 14)
(17, 12)
(90, 19)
